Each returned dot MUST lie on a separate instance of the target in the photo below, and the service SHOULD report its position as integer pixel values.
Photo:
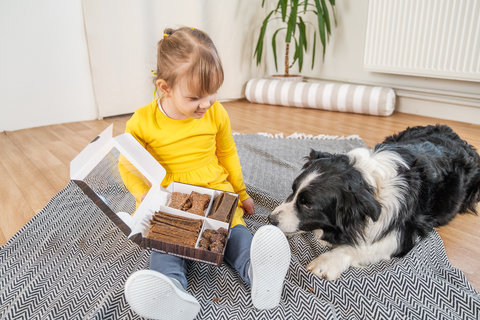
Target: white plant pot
(290, 77)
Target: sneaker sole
(270, 260)
(154, 295)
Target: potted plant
(293, 16)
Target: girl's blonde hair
(188, 53)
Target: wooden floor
(34, 163)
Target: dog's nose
(272, 219)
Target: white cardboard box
(95, 171)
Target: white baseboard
(442, 104)
(449, 107)
(437, 109)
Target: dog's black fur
(413, 181)
(444, 179)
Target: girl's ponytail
(189, 52)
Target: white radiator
(433, 38)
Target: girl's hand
(248, 206)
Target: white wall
(44, 68)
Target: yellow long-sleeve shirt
(195, 151)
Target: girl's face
(179, 103)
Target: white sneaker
(152, 294)
(269, 263)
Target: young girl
(189, 133)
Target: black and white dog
(371, 205)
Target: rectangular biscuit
(224, 208)
(178, 200)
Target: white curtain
(122, 36)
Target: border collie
(371, 205)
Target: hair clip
(153, 72)
(192, 28)
(165, 35)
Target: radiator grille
(433, 38)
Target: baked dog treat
(222, 206)
(203, 244)
(216, 247)
(213, 240)
(199, 202)
(178, 200)
(207, 234)
(194, 202)
(174, 229)
(216, 202)
(217, 237)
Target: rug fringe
(297, 135)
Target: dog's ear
(315, 155)
(354, 208)
(370, 206)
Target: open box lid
(96, 170)
(128, 146)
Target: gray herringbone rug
(71, 262)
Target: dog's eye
(304, 202)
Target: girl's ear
(162, 87)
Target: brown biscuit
(222, 231)
(163, 217)
(174, 229)
(216, 247)
(178, 200)
(203, 244)
(217, 237)
(199, 203)
(213, 240)
(187, 205)
(185, 241)
(223, 210)
(216, 202)
(207, 234)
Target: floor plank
(14, 210)
(35, 188)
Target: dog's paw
(328, 265)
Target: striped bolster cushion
(322, 95)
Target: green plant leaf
(292, 20)
(299, 49)
(321, 25)
(302, 35)
(274, 47)
(314, 47)
(302, 42)
(305, 5)
(295, 55)
(283, 5)
(332, 4)
(326, 17)
(259, 47)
